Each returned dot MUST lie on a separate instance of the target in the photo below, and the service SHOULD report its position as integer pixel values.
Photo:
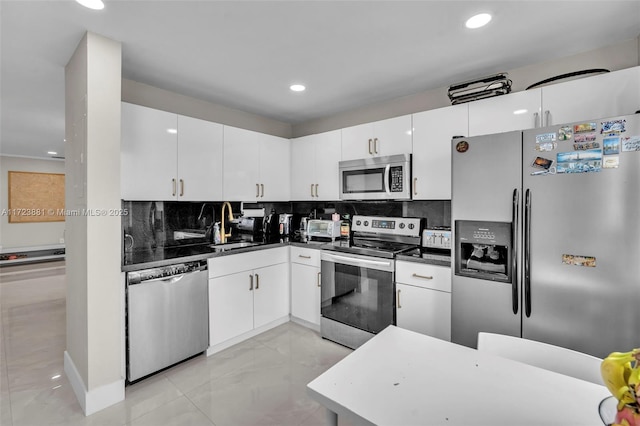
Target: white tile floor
(261, 381)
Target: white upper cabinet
(314, 167)
(432, 134)
(199, 160)
(148, 150)
(515, 111)
(256, 166)
(275, 168)
(380, 138)
(604, 95)
(167, 157)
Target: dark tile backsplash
(151, 224)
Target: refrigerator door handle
(527, 254)
(514, 245)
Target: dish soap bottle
(216, 233)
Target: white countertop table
(404, 378)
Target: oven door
(358, 291)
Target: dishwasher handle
(171, 280)
(171, 274)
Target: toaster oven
(324, 229)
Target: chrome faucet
(223, 234)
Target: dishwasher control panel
(137, 277)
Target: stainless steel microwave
(376, 178)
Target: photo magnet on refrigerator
(613, 127)
(611, 162)
(611, 145)
(577, 260)
(565, 133)
(585, 127)
(631, 143)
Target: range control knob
(366, 223)
(411, 226)
(402, 225)
(358, 222)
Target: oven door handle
(356, 261)
(387, 184)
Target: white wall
(16, 235)
(93, 356)
(153, 97)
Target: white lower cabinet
(270, 294)
(242, 300)
(305, 285)
(423, 299)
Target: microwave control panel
(396, 179)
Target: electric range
(358, 278)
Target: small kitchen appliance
(284, 224)
(376, 178)
(323, 229)
(436, 244)
(437, 237)
(358, 278)
(250, 226)
(270, 225)
(303, 226)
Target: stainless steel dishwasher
(167, 316)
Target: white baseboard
(305, 323)
(241, 338)
(96, 399)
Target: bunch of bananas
(621, 374)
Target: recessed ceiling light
(520, 111)
(172, 131)
(478, 21)
(92, 4)
(52, 153)
(297, 87)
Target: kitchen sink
(231, 246)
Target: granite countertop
(169, 255)
(420, 255)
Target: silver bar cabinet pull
(424, 277)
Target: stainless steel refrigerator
(546, 229)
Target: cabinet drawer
(231, 264)
(425, 276)
(305, 256)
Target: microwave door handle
(387, 184)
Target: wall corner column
(93, 359)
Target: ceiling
(246, 54)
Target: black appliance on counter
(270, 225)
(358, 278)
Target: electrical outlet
(61, 240)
